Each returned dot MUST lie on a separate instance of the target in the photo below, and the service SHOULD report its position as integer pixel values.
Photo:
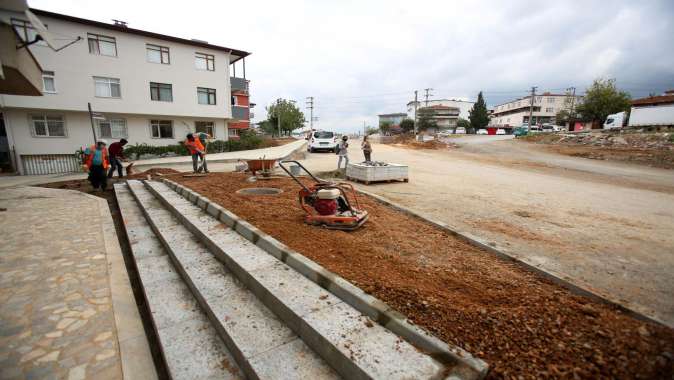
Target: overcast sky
(362, 58)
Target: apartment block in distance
(145, 87)
(545, 108)
(445, 112)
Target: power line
(428, 94)
(310, 105)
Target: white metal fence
(35, 164)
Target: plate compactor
(327, 203)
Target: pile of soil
(523, 325)
(408, 141)
(653, 149)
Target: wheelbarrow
(266, 166)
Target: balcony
(240, 113)
(238, 84)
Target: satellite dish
(41, 29)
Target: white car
(500, 131)
(482, 132)
(322, 140)
(460, 131)
(547, 128)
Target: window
(48, 126)
(551, 100)
(102, 45)
(48, 83)
(549, 109)
(158, 54)
(206, 95)
(26, 31)
(539, 99)
(107, 87)
(162, 92)
(235, 101)
(204, 61)
(233, 132)
(162, 129)
(112, 128)
(205, 127)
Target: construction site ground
(520, 323)
(605, 226)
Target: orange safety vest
(90, 157)
(194, 146)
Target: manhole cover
(260, 191)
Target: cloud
(362, 58)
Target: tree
(603, 99)
(370, 131)
(425, 120)
(268, 127)
(478, 115)
(290, 115)
(385, 127)
(463, 123)
(407, 125)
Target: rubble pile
(661, 141)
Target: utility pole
(428, 94)
(278, 116)
(310, 105)
(91, 118)
(531, 107)
(364, 129)
(416, 102)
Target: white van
(322, 140)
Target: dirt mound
(408, 141)
(520, 323)
(654, 149)
(152, 172)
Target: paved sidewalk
(66, 306)
(275, 152)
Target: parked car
(521, 131)
(444, 133)
(322, 140)
(482, 131)
(547, 128)
(500, 131)
(460, 131)
(534, 129)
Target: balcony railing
(238, 84)
(240, 113)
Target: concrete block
(156, 268)
(194, 351)
(293, 359)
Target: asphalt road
(605, 226)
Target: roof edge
(125, 29)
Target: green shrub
(247, 140)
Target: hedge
(245, 142)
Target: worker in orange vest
(197, 151)
(97, 162)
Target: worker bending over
(197, 151)
(96, 160)
(116, 152)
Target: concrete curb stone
(465, 365)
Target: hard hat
(101, 141)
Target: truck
(652, 115)
(616, 120)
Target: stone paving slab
(353, 344)
(249, 328)
(62, 280)
(191, 347)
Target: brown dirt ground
(407, 141)
(523, 325)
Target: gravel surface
(520, 323)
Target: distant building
(463, 106)
(545, 108)
(444, 116)
(393, 118)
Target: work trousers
(115, 163)
(195, 162)
(97, 177)
(367, 154)
(346, 161)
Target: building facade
(142, 86)
(463, 106)
(394, 118)
(545, 108)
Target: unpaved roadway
(608, 227)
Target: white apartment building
(545, 108)
(143, 86)
(462, 106)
